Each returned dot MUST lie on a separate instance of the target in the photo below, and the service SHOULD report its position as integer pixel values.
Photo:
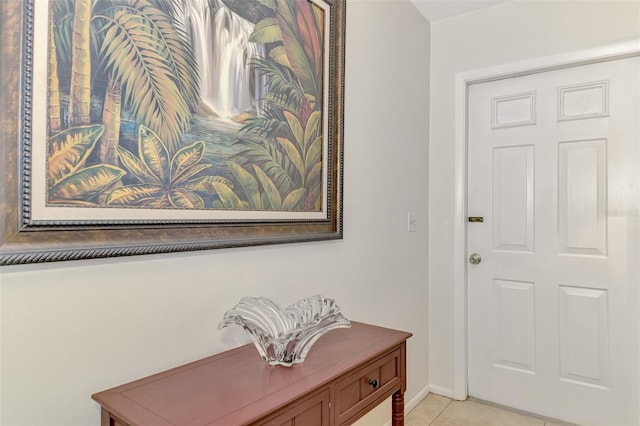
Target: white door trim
(462, 82)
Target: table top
(238, 387)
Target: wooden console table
(346, 374)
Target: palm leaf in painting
(296, 129)
(164, 181)
(272, 121)
(271, 4)
(161, 202)
(133, 195)
(297, 58)
(86, 183)
(228, 198)
(293, 154)
(189, 173)
(266, 31)
(314, 175)
(279, 55)
(301, 39)
(268, 199)
(313, 128)
(284, 87)
(175, 36)
(183, 199)
(154, 154)
(248, 183)
(69, 149)
(272, 162)
(310, 34)
(186, 158)
(293, 198)
(270, 190)
(136, 55)
(205, 184)
(314, 154)
(136, 166)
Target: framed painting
(151, 126)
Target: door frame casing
(463, 81)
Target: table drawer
(368, 386)
(311, 411)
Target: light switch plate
(412, 222)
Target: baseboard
(413, 403)
(416, 399)
(441, 391)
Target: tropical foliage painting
(186, 104)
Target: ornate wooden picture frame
(152, 126)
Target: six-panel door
(554, 162)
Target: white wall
(74, 328)
(505, 33)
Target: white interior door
(553, 168)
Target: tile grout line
(441, 411)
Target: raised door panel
(582, 182)
(513, 198)
(513, 110)
(584, 336)
(514, 325)
(582, 101)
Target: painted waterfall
(206, 106)
(228, 84)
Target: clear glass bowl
(285, 336)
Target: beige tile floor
(438, 410)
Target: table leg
(397, 409)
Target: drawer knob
(374, 383)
